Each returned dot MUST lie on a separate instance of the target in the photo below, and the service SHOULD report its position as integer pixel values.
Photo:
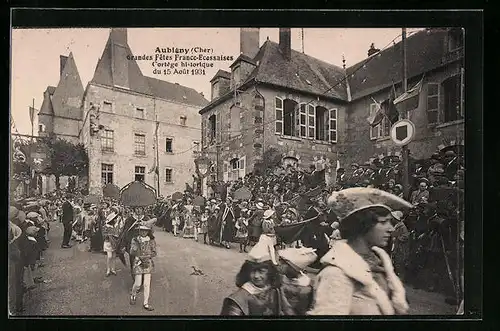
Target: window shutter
(297, 121)
(333, 125)
(204, 133)
(218, 128)
(278, 106)
(225, 175)
(243, 166)
(311, 114)
(373, 130)
(433, 90)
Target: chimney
(119, 36)
(249, 41)
(62, 64)
(286, 43)
(373, 50)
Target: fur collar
(355, 267)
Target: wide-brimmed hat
(349, 201)
(423, 180)
(259, 254)
(268, 213)
(32, 215)
(298, 258)
(111, 216)
(259, 205)
(32, 230)
(13, 212)
(144, 227)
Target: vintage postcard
(237, 171)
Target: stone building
(125, 112)
(118, 117)
(61, 113)
(436, 55)
(316, 113)
(273, 97)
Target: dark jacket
(67, 212)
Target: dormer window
(215, 89)
(41, 128)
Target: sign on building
(403, 132)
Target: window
(278, 106)
(234, 121)
(107, 173)
(302, 120)
(432, 103)
(140, 173)
(212, 129)
(107, 140)
(139, 113)
(322, 123)
(311, 121)
(168, 145)
(140, 144)
(107, 107)
(41, 128)
(290, 118)
(183, 120)
(379, 131)
(451, 89)
(168, 175)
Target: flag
(154, 168)
(409, 100)
(32, 114)
(388, 107)
(376, 118)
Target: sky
(35, 54)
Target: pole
(404, 114)
(217, 161)
(157, 157)
(32, 114)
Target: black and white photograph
(226, 171)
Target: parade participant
(189, 227)
(399, 248)
(242, 233)
(203, 225)
(111, 231)
(227, 221)
(176, 219)
(143, 248)
(398, 190)
(267, 240)
(420, 196)
(296, 286)
(96, 234)
(343, 285)
(78, 224)
(255, 223)
(213, 226)
(258, 294)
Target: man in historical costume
(213, 225)
(227, 221)
(255, 223)
(67, 220)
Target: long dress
(188, 231)
(227, 228)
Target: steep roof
(303, 72)
(175, 92)
(222, 73)
(114, 69)
(424, 52)
(67, 96)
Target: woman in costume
(189, 227)
(203, 225)
(143, 249)
(344, 287)
(111, 233)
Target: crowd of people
(286, 221)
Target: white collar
(252, 289)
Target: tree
(271, 158)
(65, 159)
